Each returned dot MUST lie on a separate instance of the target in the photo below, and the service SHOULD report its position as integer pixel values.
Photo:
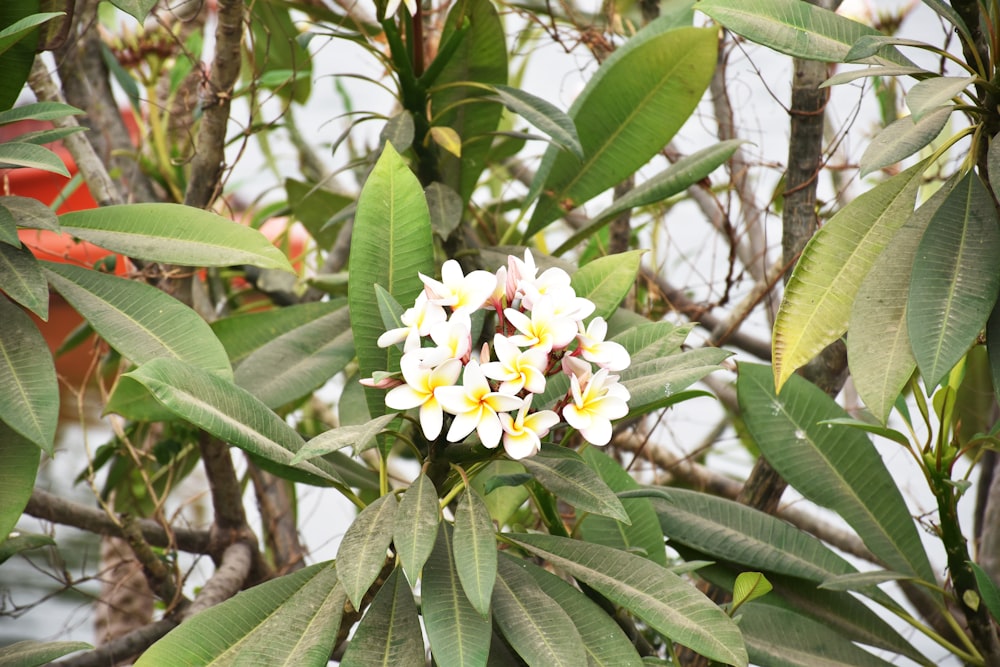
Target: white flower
(475, 406)
(422, 385)
(595, 405)
(462, 293)
(517, 369)
(523, 435)
(544, 329)
(390, 9)
(418, 320)
(604, 353)
(453, 338)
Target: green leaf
(543, 115)
(362, 551)
(750, 586)
(475, 550)
(15, 154)
(992, 160)
(988, 591)
(18, 30)
(607, 280)
(359, 436)
(28, 212)
(314, 207)
(416, 526)
(228, 412)
(21, 279)
(861, 580)
(297, 362)
(501, 483)
(643, 535)
(932, 93)
(659, 597)
(389, 634)
(138, 320)
(635, 103)
(532, 622)
(30, 653)
(954, 284)
(603, 640)
(8, 228)
(658, 383)
(817, 303)
(137, 8)
(277, 51)
(783, 638)
(874, 429)
(292, 620)
(17, 476)
(17, 542)
(481, 57)
(902, 138)
(835, 468)
(878, 348)
(29, 392)
(445, 207)
(653, 340)
(887, 71)
(42, 137)
(391, 243)
(458, 634)
(16, 62)
(564, 474)
(796, 28)
(242, 334)
(174, 234)
(676, 178)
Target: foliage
(485, 405)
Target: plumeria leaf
(536, 626)
(607, 280)
(654, 383)
(14, 154)
(902, 138)
(362, 551)
(932, 93)
(18, 542)
(653, 340)
(416, 526)
(29, 391)
(359, 436)
(389, 634)
(858, 581)
(22, 280)
(563, 473)
(750, 586)
(28, 212)
(17, 476)
(390, 309)
(458, 634)
(543, 115)
(475, 550)
(29, 653)
(988, 591)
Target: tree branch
(50, 507)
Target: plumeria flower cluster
(540, 332)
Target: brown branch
(122, 648)
(276, 503)
(162, 580)
(205, 178)
(103, 189)
(232, 573)
(50, 507)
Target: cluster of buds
(540, 332)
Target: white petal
(404, 397)
(521, 446)
(599, 432)
(431, 418)
(489, 430)
(463, 425)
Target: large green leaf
(14, 154)
(676, 178)
(603, 640)
(796, 28)
(296, 362)
(391, 243)
(639, 98)
(954, 283)
(291, 620)
(174, 234)
(17, 476)
(17, 31)
(457, 633)
(656, 383)
(228, 412)
(902, 138)
(817, 304)
(481, 57)
(138, 320)
(16, 62)
(21, 279)
(659, 597)
(535, 625)
(27, 212)
(475, 550)
(242, 334)
(794, 561)
(643, 535)
(564, 473)
(544, 116)
(878, 348)
(358, 436)
(37, 111)
(607, 280)
(389, 634)
(362, 551)
(783, 638)
(416, 526)
(29, 392)
(838, 468)
(30, 653)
